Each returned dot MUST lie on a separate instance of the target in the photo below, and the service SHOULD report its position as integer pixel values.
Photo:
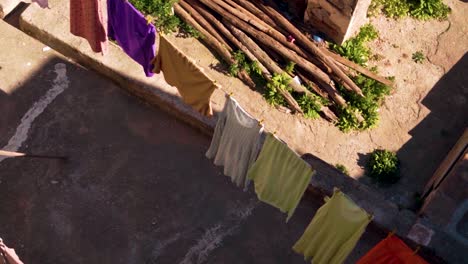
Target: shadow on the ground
(433, 138)
(137, 188)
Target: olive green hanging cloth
(334, 231)
(280, 175)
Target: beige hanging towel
(194, 86)
(334, 230)
(236, 142)
(280, 175)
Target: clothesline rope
(230, 94)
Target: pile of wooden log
(268, 38)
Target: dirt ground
(420, 121)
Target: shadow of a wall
(433, 138)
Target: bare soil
(421, 120)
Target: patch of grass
(418, 57)
(419, 9)
(383, 166)
(342, 168)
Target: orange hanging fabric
(391, 251)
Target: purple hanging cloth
(130, 29)
(41, 3)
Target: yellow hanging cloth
(280, 175)
(334, 231)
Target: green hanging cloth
(334, 231)
(280, 175)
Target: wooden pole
(223, 8)
(213, 43)
(270, 42)
(211, 18)
(307, 43)
(13, 154)
(357, 67)
(260, 14)
(203, 22)
(263, 57)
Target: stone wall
(338, 19)
(446, 203)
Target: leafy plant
(427, 9)
(290, 67)
(277, 82)
(255, 69)
(367, 106)
(419, 9)
(242, 63)
(310, 104)
(161, 11)
(418, 57)
(383, 166)
(342, 168)
(355, 48)
(374, 92)
(347, 119)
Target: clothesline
(230, 94)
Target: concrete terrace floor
(136, 188)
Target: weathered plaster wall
(338, 19)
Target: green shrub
(243, 63)
(427, 9)
(383, 166)
(163, 17)
(355, 49)
(368, 106)
(419, 9)
(161, 11)
(277, 82)
(290, 67)
(310, 104)
(342, 168)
